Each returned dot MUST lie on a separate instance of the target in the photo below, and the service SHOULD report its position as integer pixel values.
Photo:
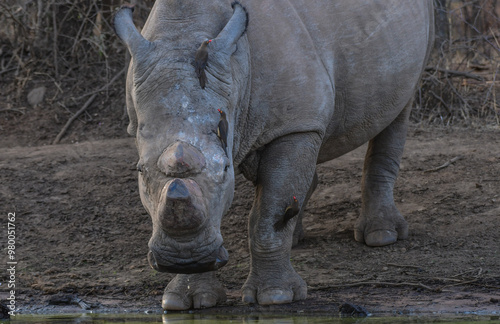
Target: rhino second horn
(181, 159)
(180, 207)
(128, 33)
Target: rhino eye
(226, 167)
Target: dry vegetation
(60, 61)
(58, 57)
(461, 83)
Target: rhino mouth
(216, 260)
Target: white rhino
(301, 82)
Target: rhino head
(186, 179)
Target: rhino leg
(298, 233)
(199, 290)
(380, 222)
(286, 169)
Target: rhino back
(344, 69)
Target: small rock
(36, 96)
(352, 310)
(494, 300)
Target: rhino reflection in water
(301, 82)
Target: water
(226, 319)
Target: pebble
(36, 96)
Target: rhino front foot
(286, 171)
(265, 291)
(193, 291)
(383, 227)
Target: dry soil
(81, 231)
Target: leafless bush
(69, 42)
(462, 82)
(67, 46)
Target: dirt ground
(81, 230)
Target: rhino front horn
(181, 209)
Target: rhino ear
(234, 29)
(125, 29)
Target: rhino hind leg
(298, 233)
(380, 222)
(188, 291)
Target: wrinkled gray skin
(307, 82)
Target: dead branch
(8, 10)
(86, 105)
(455, 73)
(7, 70)
(13, 110)
(433, 278)
(403, 266)
(75, 116)
(447, 164)
(80, 303)
(445, 105)
(54, 43)
(382, 283)
(484, 286)
(494, 37)
(105, 87)
(460, 283)
(464, 273)
(485, 101)
(80, 31)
